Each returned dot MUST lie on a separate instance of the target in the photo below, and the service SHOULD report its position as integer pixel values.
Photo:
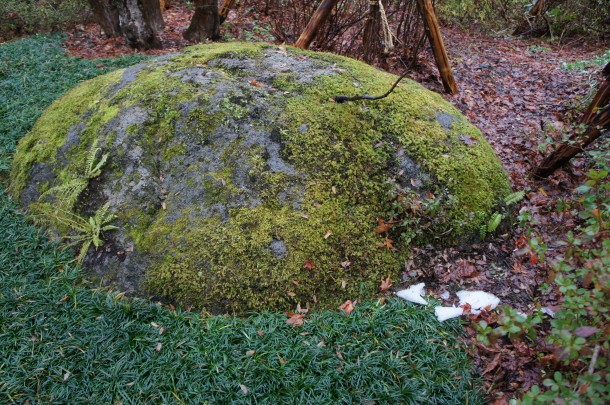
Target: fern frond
(65, 195)
(94, 168)
(514, 197)
(494, 222)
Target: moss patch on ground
(231, 168)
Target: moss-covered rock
(238, 184)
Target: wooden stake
(224, 9)
(317, 20)
(433, 32)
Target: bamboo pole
(433, 32)
(317, 20)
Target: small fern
(494, 222)
(514, 197)
(88, 231)
(55, 207)
(64, 196)
(94, 168)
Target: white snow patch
(414, 294)
(478, 300)
(444, 313)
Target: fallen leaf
(328, 233)
(309, 265)
(158, 347)
(250, 352)
(257, 84)
(585, 331)
(346, 263)
(385, 284)
(294, 319)
(347, 306)
(260, 333)
(343, 283)
(291, 294)
(383, 226)
(388, 243)
(243, 388)
(493, 363)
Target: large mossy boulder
(235, 182)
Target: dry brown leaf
(294, 319)
(348, 307)
(383, 226)
(257, 84)
(385, 284)
(328, 233)
(309, 265)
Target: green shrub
(18, 17)
(580, 331)
(488, 15)
(562, 18)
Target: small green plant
(496, 218)
(55, 207)
(64, 196)
(510, 323)
(88, 231)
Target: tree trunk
(137, 19)
(205, 22)
(317, 20)
(154, 13)
(433, 32)
(106, 14)
(575, 145)
(225, 7)
(371, 37)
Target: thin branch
(342, 98)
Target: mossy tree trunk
(136, 20)
(205, 23)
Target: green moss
(51, 130)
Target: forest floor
(522, 94)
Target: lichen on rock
(230, 167)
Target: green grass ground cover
(63, 342)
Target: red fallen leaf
(347, 306)
(583, 388)
(466, 308)
(257, 84)
(533, 259)
(585, 331)
(385, 284)
(383, 226)
(171, 307)
(294, 319)
(309, 265)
